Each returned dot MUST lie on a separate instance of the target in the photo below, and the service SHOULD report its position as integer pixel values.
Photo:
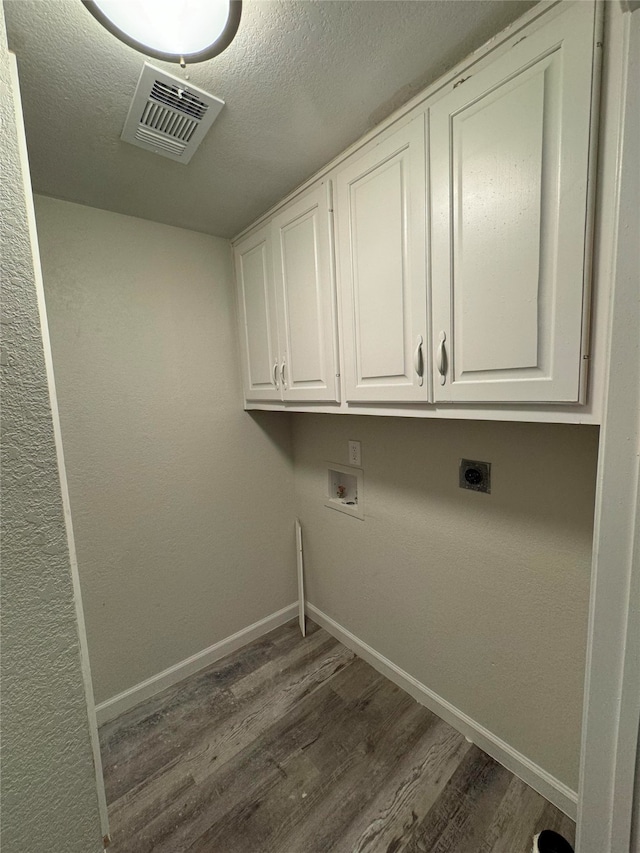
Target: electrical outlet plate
(345, 489)
(355, 453)
(475, 475)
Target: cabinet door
(509, 151)
(305, 288)
(381, 248)
(257, 316)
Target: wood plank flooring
(295, 745)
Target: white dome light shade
(192, 30)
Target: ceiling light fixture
(174, 30)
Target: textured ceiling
(302, 80)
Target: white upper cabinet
(303, 267)
(257, 316)
(286, 304)
(462, 236)
(381, 253)
(509, 154)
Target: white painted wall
(182, 502)
(49, 795)
(482, 598)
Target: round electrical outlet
(473, 476)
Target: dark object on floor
(550, 842)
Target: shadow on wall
(271, 424)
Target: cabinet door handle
(282, 369)
(418, 363)
(275, 376)
(441, 358)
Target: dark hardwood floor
(298, 746)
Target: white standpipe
(301, 618)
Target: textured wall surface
(182, 502)
(49, 799)
(301, 81)
(483, 598)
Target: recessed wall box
(345, 489)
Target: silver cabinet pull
(275, 376)
(282, 369)
(418, 363)
(441, 358)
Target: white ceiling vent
(169, 116)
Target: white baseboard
(111, 708)
(551, 788)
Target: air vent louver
(168, 121)
(157, 140)
(169, 116)
(179, 99)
